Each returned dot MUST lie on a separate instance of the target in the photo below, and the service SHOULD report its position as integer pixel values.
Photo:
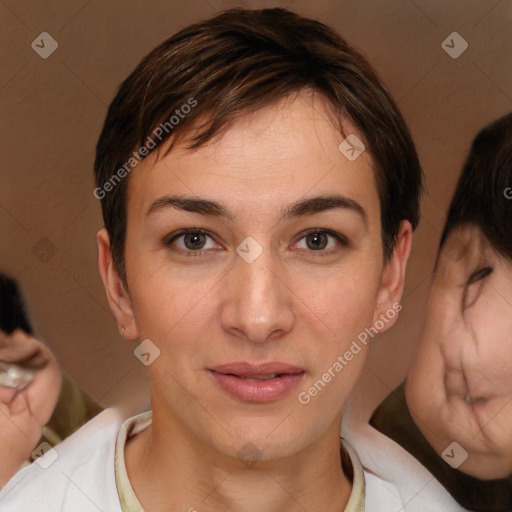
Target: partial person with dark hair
(453, 414)
(259, 190)
(38, 404)
(13, 310)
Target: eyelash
(479, 275)
(341, 239)
(475, 277)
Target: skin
(24, 413)
(466, 349)
(291, 305)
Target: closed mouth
(261, 377)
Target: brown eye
(194, 241)
(191, 242)
(474, 286)
(317, 241)
(322, 240)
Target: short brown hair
(236, 63)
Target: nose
(257, 302)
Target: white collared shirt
(87, 473)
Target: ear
(393, 278)
(118, 298)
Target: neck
(179, 472)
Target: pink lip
(230, 377)
(248, 370)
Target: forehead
(268, 157)
(465, 249)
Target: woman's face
(461, 380)
(258, 289)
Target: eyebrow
(300, 208)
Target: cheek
(168, 301)
(349, 301)
(336, 319)
(444, 328)
(175, 313)
(493, 355)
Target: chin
(263, 443)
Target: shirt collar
(130, 503)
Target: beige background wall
(52, 110)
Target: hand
(24, 413)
